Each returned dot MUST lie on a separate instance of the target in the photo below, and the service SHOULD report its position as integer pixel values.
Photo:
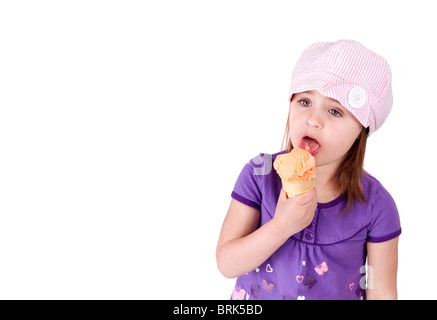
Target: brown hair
(350, 171)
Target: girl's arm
(242, 247)
(383, 268)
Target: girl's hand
(293, 215)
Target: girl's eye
(305, 103)
(335, 113)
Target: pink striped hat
(351, 74)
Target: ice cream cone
(293, 189)
(297, 170)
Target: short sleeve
(247, 189)
(385, 224)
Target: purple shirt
(327, 259)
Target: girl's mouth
(310, 144)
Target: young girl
(315, 245)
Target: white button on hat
(357, 97)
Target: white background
(124, 126)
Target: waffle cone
(293, 189)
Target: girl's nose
(314, 120)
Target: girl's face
(331, 127)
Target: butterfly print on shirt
(323, 267)
(267, 285)
(309, 281)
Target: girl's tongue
(309, 144)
